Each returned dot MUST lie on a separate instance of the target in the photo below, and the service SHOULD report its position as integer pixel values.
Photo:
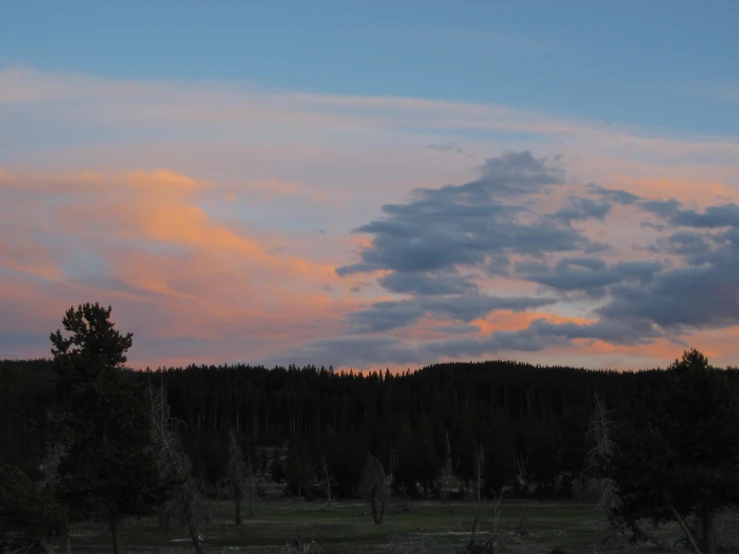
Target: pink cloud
(220, 284)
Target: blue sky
(369, 184)
(668, 64)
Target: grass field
(347, 527)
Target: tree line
(447, 430)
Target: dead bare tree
(373, 487)
(599, 432)
(50, 464)
(327, 481)
(520, 463)
(187, 505)
(473, 544)
(240, 477)
(494, 516)
(478, 490)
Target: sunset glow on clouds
(227, 222)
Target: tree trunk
(709, 532)
(685, 529)
(328, 479)
(237, 501)
(250, 483)
(116, 529)
(193, 530)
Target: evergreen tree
(110, 468)
(683, 460)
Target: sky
(373, 184)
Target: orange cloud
(217, 283)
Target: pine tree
(110, 468)
(682, 458)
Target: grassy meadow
(347, 527)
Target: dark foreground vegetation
(83, 440)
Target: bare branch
(187, 505)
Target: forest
(82, 436)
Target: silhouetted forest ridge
(419, 424)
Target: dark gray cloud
(701, 295)
(684, 243)
(427, 284)
(435, 245)
(714, 216)
(383, 316)
(519, 173)
(592, 276)
(672, 211)
(614, 195)
(596, 248)
(662, 208)
(697, 297)
(654, 304)
(623, 331)
(671, 301)
(477, 224)
(578, 208)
